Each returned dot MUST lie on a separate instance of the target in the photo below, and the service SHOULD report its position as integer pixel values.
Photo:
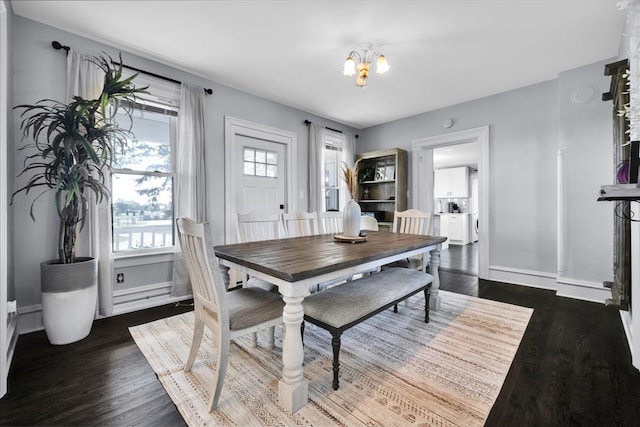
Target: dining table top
(299, 258)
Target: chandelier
(362, 59)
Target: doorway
(259, 171)
(422, 178)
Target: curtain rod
(58, 46)
(308, 122)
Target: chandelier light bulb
(349, 67)
(382, 66)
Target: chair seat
(252, 306)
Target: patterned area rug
(395, 369)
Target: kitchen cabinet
(451, 182)
(382, 183)
(456, 228)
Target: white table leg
(293, 389)
(434, 263)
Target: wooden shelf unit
(388, 193)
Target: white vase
(351, 219)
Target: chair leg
(253, 340)
(271, 339)
(395, 308)
(335, 343)
(427, 297)
(198, 329)
(221, 371)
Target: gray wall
(527, 127)
(586, 140)
(40, 73)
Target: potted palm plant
(70, 152)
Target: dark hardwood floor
(461, 259)
(573, 368)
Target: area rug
(395, 370)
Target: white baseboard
(581, 289)
(30, 319)
(625, 316)
(12, 337)
(534, 279)
(564, 286)
(141, 297)
(124, 301)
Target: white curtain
(316, 168)
(190, 198)
(86, 79)
(348, 156)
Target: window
(143, 181)
(333, 186)
(332, 171)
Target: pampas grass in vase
(351, 212)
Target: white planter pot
(69, 299)
(351, 219)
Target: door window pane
(260, 163)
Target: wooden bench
(339, 308)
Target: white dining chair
(330, 222)
(411, 221)
(368, 223)
(255, 226)
(298, 224)
(227, 314)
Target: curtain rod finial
(57, 45)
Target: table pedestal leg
(293, 389)
(434, 264)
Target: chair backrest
(368, 223)
(412, 221)
(206, 282)
(256, 226)
(298, 224)
(330, 222)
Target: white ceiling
(441, 53)
(456, 155)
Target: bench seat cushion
(344, 304)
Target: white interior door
(246, 192)
(260, 175)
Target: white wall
(525, 137)
(40, 73)
(587, 147)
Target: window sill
(143, 257)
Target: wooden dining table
(295, 264)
